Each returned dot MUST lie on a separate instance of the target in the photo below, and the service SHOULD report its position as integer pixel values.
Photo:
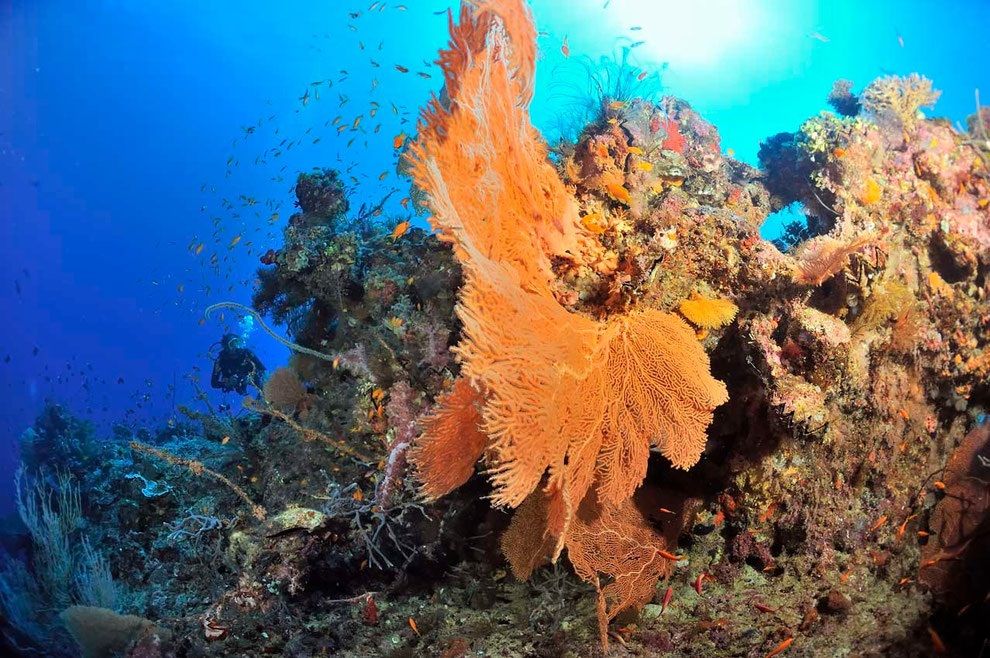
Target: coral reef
(739, 447)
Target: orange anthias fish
(399, 140)
(619, 193)
(565, 50)
(400, 229)
(781, 648)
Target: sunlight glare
(694, 34)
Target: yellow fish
(400, 229)
(643, 165)
(619, 193)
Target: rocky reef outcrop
(839, 502)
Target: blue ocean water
(132, 133)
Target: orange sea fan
(548, 375)
(582, 398)
(617, 541)
(447, 461)
(958, 523)
(708, 312)
(528, 542)
(612, 540)
(820, 258)
(567, 404)
(483, 165)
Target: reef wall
(739, 447)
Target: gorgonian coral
(447, 461)
(822, 257)
(708, 312)
(284, 390)
(568, 406)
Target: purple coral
(402, 411)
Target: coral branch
(308, 434)
(401, 411)
(197, 468)
(257, 316)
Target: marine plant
(569, 406)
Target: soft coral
(566, 401)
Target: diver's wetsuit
(236, 367)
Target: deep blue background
(118, 121)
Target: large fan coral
(447, 461)
(566, 401)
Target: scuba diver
(236, 367)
